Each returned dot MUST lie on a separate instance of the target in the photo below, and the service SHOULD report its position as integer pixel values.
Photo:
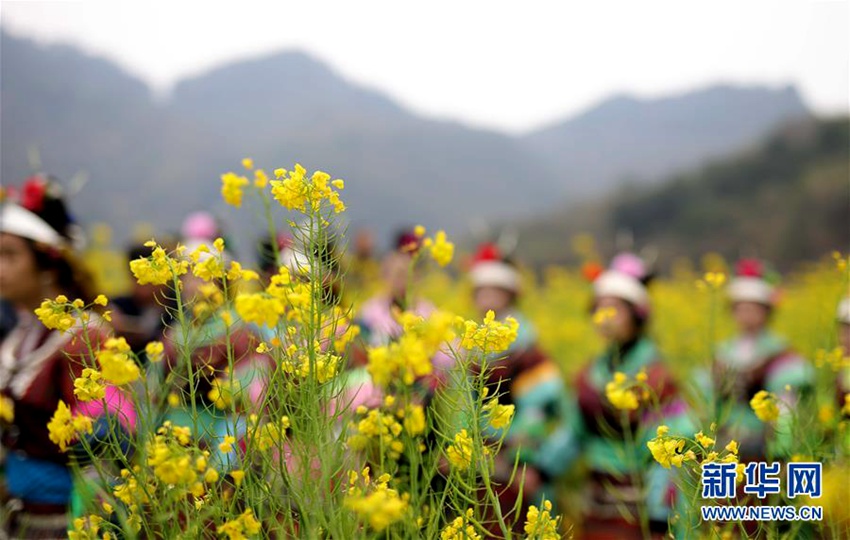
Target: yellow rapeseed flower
(241, 528)
(65, 427)
(238, 475)
(703, 440)
(441, 249)
(461, 528)
(222, 392)
(236, 272)
(291, 192)
(55, 314)
(272, 434)
(116, 366)
(154, 351)
(540, 524)
(209, 269)
(459, 453)
(259, 308)
(227, 445)
(87, 528)
(232, 186)
(414, 420)
(500, 416)
(765, 405)
(7, 409)
(158, 269)
(619, 392)
(261, 179)
(171, 463)
(88, 387)
(668, 450)
(490, 337)
(379, 508)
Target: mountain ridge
(285, 107)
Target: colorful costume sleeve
(544, 427)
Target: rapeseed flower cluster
(7, 409)
(159, 268)
(241, 528)
(461, 528)
(625, 394)
(294, 191)
(460, 451)
(375, 503)
(410, 356)
(89, 387)
(57, 314)
(766, 406)
(116, 363)
(65, 427)
(667, 450)
(539, 523)
(379, 430)
(490, 337)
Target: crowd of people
(556, 423)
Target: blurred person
(200, 226)
(377, 320)
(603, 433)
(143, 315)
(526, 378)
(208, 342)
(376, 316)
(755, 359)
(38, 366)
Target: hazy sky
(506, 65)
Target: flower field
(265, 411)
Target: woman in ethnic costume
(523, 376)
(753, 360)
(617, 485)
(378, 322)
(38, 365)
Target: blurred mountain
(786, 199)
(155, 161)
(625, 138)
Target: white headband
(843, 314)
(622, 286)
(495, 274)
(294, 260)
(751, 289)
(17, 220)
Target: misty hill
(150, 161)
(628, 138)
(786, 200)
(155, 162)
